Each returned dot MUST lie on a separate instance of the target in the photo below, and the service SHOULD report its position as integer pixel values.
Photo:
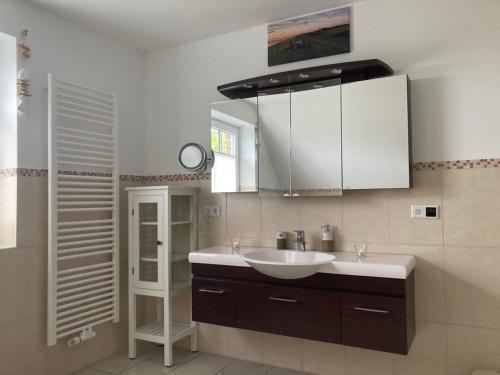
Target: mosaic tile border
(31, 172)
(457, 164)
(419, 166)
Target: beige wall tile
(110, 339)
(314, 212)
(368, 362)
(8, 211)
(2, 372)
(211, 226)
(243, 344)
(243, 215)
(370, 247)
(365, 216)
(23, 287)
(209, 241)
(279, 214)
(212, 338)
(32, 211)
(471, 207)
(428, 353)
(282, 351)
(427, 189)
(430, 287)
(322, 358)
(24, 347)
(472, 348)
(473, 279)
(62, 360)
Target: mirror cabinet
(314, 139)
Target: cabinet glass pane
(181, 208)
(148, 237)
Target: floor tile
(284, 371)
(120, 362)
(149, 368)
(180, 355)
(204, 364)
(89, 371)
(245, 368)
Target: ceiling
(149, 25)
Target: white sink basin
(287, 264)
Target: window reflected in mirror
(233, 132)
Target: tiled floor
(185, 363)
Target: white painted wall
(448, 47)
(81, 56)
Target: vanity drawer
(374, 322)
(299, 312)
(213, 301)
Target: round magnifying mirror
(193, 157)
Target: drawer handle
(377, 311)
(212, 291)
(283, 299)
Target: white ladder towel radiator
(83, 248)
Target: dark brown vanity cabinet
(289, 311)
(367, 312)
(214, 301)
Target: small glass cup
(360, 249)
(235, 244)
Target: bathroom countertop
(394, 266)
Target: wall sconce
(22, 47)
(23, 84)
(23, 77)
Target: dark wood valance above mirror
(346, 72)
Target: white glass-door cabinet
(162, 231)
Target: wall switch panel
(211, 210)
(424, 212)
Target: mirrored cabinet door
(233, 141)
(375, 134)
(316, 142)
(148, 260)
(274, 144)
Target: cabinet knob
(159, 243)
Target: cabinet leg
(167, 349)
(132, 325)
(194, 339)
(132, 348)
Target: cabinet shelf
(180, 222)
(176, 257)
(154, 331)
(149, 258)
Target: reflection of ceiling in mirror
(241, 112)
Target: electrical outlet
(424, 212)
(211, 210)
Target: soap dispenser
(326, 238)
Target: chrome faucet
(300, 240)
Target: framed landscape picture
(307, 37)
